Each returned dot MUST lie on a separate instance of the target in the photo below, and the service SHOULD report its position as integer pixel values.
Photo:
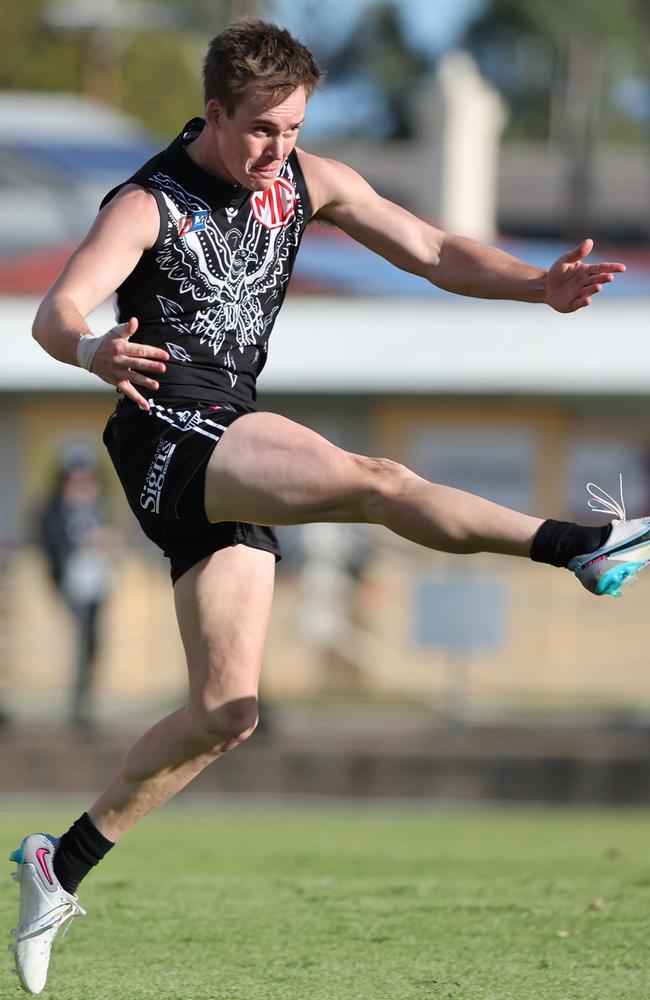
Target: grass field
(356, 904)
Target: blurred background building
(525, 124)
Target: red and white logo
(184, 225)
(274, 207)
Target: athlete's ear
(213, 111)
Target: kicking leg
(270, 470)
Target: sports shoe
(617, 562)
(45, 907)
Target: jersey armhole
(163, 214)
(296, 166)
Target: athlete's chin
(261, 180)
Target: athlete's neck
(201, 152)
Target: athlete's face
(250, 146)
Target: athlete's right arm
(122, 231)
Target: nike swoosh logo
(40, 856)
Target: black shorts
(160, 457)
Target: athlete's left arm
(457, 264)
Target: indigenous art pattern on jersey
(235, 276)
(209, 289)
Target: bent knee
(385, 480)
(222, 728)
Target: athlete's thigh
(270, 470)
(223, 605)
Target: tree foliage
(31, 56)
(526, 47)
(377, 49)
(152, 73)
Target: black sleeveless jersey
(209, 290)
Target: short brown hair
(259, 53)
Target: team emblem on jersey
(274, 207)
(192, 223)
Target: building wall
(555, 644)
(618, 201)
(12, 470)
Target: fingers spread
(140, 364)
(121, 330)
(138, 379)
(131, 327)
(601, 279)
(582, 250)
(127, 389)
(611, 268)
(145, 351)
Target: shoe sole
(611, 582)
(17, 856)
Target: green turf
(313, 904)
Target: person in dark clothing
(5, 717)
(74, 539)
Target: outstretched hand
(121, 363)
(570, 283)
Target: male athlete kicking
(199, 245)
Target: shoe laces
(59, 916)
(608, 505)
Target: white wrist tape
(86, 349)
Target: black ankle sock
(557, 542)
(79, 850)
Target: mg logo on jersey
(192, 223)
(274, 207)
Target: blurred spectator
(76, 539)
(336, 559)
(4, 561)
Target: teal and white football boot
(617, 562)
(45, 908)
(625, 553)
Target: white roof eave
(343, 345)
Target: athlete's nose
(275, 148)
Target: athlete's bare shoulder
(134, 211)
(330, 182)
